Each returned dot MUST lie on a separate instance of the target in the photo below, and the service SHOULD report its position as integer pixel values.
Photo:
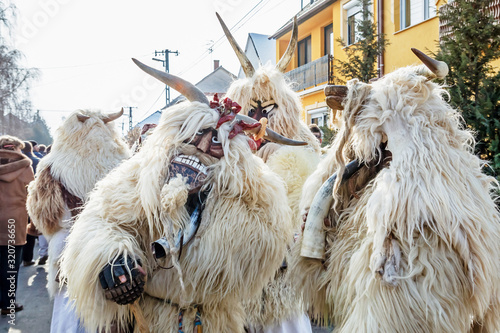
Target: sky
(83, 49)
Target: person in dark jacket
(34, 145)
(15, 174)
(42, 150)
(28, 151)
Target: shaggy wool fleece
(292, 164)
(82, 154)
(243, 236)
(416, 249)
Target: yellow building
(405, 23)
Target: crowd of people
(18, 165)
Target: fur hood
(12, 165)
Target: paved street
(32, 293)
(321, 330)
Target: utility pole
(167, 68)
(129, 116)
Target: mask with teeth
(201, 152)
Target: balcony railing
(445, 29)
(312, 74)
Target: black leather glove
(115, 280)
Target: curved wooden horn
(270, 134)
(288, 55)
(189, 90)
(314, 239)
(112, 116)
(242, 57)
(439, 68)
(82, 117)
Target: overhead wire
(82, 74)
(143, 115)
(216, 44)
(235, 27)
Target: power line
(146, 114)
(214, 46)
(255, 13)
(249, 15)
(80, 74)
(49, 110)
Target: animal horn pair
(336, 94)
(439, 68)
(270, 134)
(192, 93)
(189, 90)
(107, 119)
(246, 64)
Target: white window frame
(321, 114)
(420, 10)
(352, 9)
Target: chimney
(216, 64)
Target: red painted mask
(262, 109)
(207, 142)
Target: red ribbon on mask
(227, 110)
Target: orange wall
(312, 27)
(311, 99)
(423, 36)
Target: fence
(445, 29)
(314, 73)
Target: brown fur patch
(45, 202)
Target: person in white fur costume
(214, 211)
(413, 237)
(266, 95)
(86, 147)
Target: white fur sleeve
(92, 243)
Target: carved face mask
(262, 109)
(201, 151)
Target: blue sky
(83, 48)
